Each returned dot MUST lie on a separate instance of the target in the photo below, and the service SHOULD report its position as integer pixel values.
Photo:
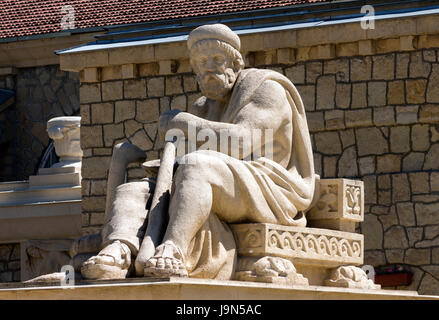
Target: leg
(122, 232)
(200, 188)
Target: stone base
(195, 289)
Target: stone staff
(158, 214)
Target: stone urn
(65, 132)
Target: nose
(211, 65)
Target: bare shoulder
(268, 105)
(270, 92)
(271, 95)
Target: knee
(192, 165)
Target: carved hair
(235, 55)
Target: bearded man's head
(215, 58)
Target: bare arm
(268, 109)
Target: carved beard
(216, 86)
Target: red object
(30, 17)
(394, 279)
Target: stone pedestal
(196, 289)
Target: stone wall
(9, 262)
(41, 94)
(373, 117)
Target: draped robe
(273, 193)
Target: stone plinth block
(307, 246)
(195, 289)
(340, 205)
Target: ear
(238, 64)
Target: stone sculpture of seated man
(212, 188)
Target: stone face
(370, 141)
(413, 161)
(384, 116)
(334, 119)
(315, 121)
(434, 181)
(112, 132)
(429, 114)
(112, 90)
(395, 238)
(141, 139)
(147, 110)
(189, 84)
(419, 182)
(296, 73)
(395, 94)
(367, 165)
(401, 189)
(417, 257)
(372, 230)
(431, 159)
(426, 213)
(407, 114)
(179, 102)
(347, 138)
(420, 137)
(102, 113)
(376, 94)
(361, 69)
(358, 118)
(131, 126)
(370, 189)
(173, 85)
(134, 89)
(95, 168)
(433, 83)
(330, 166)
(388, 163)
(406, 213)
(156, 87)
(313, 71)
(418, 68)
(124, 110)
(343, 95)
(359, 97)
(395, 256)
(328, 143)
(383, 67)
(91, 137)
(402, 62)
(431, 232)
(374, 257)
(339, 67)
(308, 96)
(400, 139)
(90, 93)
(347, 165)
(415, 91)
(414, 235)
(325, 93)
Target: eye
(219, 59)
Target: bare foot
(112, 262)
(168, 261)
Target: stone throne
(326, 252)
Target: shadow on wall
(42, 93)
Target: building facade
(371, 96)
